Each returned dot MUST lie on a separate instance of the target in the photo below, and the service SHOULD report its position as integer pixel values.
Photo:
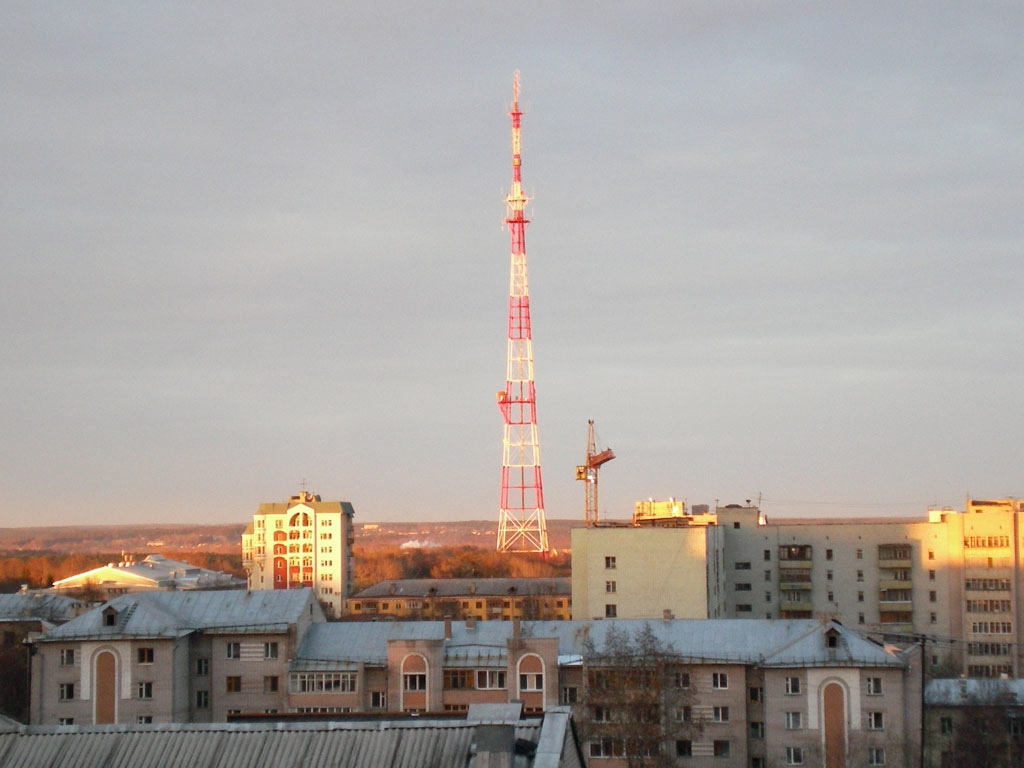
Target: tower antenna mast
(521, 523)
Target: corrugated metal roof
(42, 606)
(168, 614)
(285, 744)
(560, 585)
(779, 643)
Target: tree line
(39, 570)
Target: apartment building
(304, 542)
(158, 657)
(500, 599)
(952, 578)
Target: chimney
(515, 626)
(471, 623)
(447, 626)
(666, 615)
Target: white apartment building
(304, 542)
(953, 578)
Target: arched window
(299, 518)
(280, 536)
(280, 549)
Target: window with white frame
(67, 657)
(531, 681)
(719, 680)
(874, 686)
(876, 721)
(720, 714)
(876, 755)
(234, 650)
(270, 650)
(414, 682)
(378, 700)
(794, 721)
(490, 679)
(66, 691)
(323, 682)
(794, 756)
(145, 690)
(792, 685)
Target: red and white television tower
(521, 523)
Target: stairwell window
(609, 562)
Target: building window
(720, 714)
(767, 555)
(860, 597)
(145, 690)
(860, 575)
(611, 611)
(457, 679)
(743, 566)
(794, 722)
(945, 725)
(607, 748)
(757, 694)
(876, 755)
(66, 691)
(490, 679)
(681, 679)
(568, 695)
(828, 554)
(719, 680)
(744, 608)
(414, 682)
(794, 756)
(531, 682)
(202, 699)
(684, 714)
(931, 575)
(609, 562)
(767, 597)
(67, 657)
(860, 554)
(757, 762)
(860, 618)
(609, 586)
(270, 650)
(322, 682)
(603, 714)
(876, 721)
(792, 685)
(756, 729)
(202, 667)
(743, 587)
(721, 748)
(767, 575)
(831, 597)
(931, 554)
(932, 597)
(874, 686)
(828, 575)
(233, 684)
(378, 700)
(270, 684)
(144, 655)
(144, 719)
(65, 721)
(684, 748)
(234, 650)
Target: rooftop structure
(152, 572)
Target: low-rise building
(152, 572)
(481, 599)
(158, 657)
(974, 723)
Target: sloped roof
(412, 743)
(974, 692)
(39, 606)
(169, 614)
(151, 572)
(406, 588)
(776, 643)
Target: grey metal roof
(40, 606)
(974, 692)
(406, 588)
(153, 571)
(170, 614)
(777, 643)
(397, 743)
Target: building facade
(953, 578)
(500, 599)
(304, 542)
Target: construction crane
(588, 474)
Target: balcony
(884, 584)
(795, 565)
(894, 562)
(794, 581)
(791, 605)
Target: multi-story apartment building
(304, 542)
(952, 578)
(482, 599)
(757, 692)
(157, 657)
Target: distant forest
(40, 569)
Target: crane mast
(587, 472)
(522, 526)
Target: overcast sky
(775, 252)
